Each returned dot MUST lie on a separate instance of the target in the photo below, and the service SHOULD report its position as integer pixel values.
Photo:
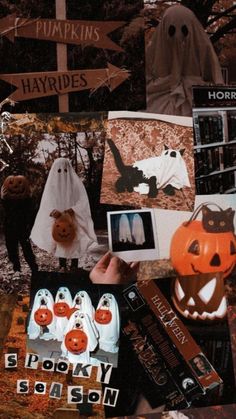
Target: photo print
(148, 161)
(50, 195)
(179, 54)
(132, 235)
(78, 57)
(72, 319)
(213, 227)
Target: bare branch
(223, 30)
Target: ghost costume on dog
(107, 321)
(63, 191)
(179, 55)
(124, 229)
(83, 303)
(138, 229)
(79, 339)
(43, 300)
(63, 303)
(169, 169)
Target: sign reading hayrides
(149, 161)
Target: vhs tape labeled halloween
(179, 334)
(189, 370)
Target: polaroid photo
(132, 235)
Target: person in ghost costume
(124, 229)
(62, 306)
(169, 169)
(64, 191)
(179, 55)
(107, 322)
(43, 300)
(71, 347)
(138, 229)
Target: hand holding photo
(132, 235)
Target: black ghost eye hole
(166, 152)
(59, 170)
(184, 30)
(171, 30)
(65, 170)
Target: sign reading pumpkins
(99, 56)
(64, 31)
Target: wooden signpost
(35, 85)
(63, 32)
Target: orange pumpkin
(76, 341)
(17, 187)
(61, 309)
(43, 316)
(193, 250)
(103, 316)
(64, 229)
(200, 297)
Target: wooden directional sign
(79, 32)
(35, 85)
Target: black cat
(217, 221)
(130, 176)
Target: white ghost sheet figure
(138, 229)
(124, 229)
(83, 303)
(179, 55)
(169, 169)
(107, 321)
(81, 322)
(62, 300)
(43, 300)
(64, 190)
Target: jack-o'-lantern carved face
(76, 341)
(64, 230)
(103, 316)
(43, 316)
(17, 187)
(196, 251)
(61, 309)
(200, 297)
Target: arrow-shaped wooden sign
(79, 32)
(35, 85)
